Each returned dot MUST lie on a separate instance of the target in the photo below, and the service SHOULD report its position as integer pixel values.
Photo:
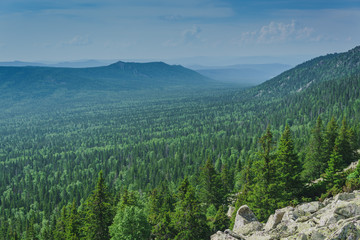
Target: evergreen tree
(130, 223)
(221, 221)
(345, 144)
(288, 170)
(164, 228)
(161, 205)
(315, 161)
(211, 185)
(262, 197)
(73, 223)
(60, 227)
(330, 135)
(98, 212)
(189, 221)
(227, 180)
(334, 166)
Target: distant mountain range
(115, 77)
(70, 64)
(243, 74)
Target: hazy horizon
(217, 32)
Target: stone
(301, 236)
(230, 211)
(244, 216)
(274, 220)
(288, 214)
(307, 209)
(249, 228)
(344, 196)
(350, 231)
(348, 210)
(223, 236)
(337, 218)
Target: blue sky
(179, 31)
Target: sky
(207, 32)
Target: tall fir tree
(288, 169)
(73, 223)
(263, 194)
(315, 160)
(345, 144)
(330, 135)
(211, 186)
(99, 212)
(189, 221)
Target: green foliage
(98, 211)
(53, 144)
(189, 221)
(262, 196)
(212, 188)
(130, 224)
(288, 169)
(315, 161)
(221, 220)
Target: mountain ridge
(320, 69)
(117, 76)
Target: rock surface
(333, 219)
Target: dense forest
(166, 164)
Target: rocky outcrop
(333, 219)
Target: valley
(151, 130)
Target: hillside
(154, 147)
(120, 76)
(320, 69)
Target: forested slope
(138, 139)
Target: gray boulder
(246, 221)
(274, 220)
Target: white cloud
(78, 41)
(278, 32)
(191, 35)
(188, 37)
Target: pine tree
(330, 135)
(288, 170)
(60, 227)
(211, 185)
(221, 221)
(227, 180)
(161, 205)
(315, 161)
(262, 198)
(345, 144)
(164, 228)
(98, 212)
(73, 223)
(188, 220)
(130, 223)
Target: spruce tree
(211, 186)
(315, 160)
(221, 221)
(130, 223)
(330, 135)
(345, 144)
(189, 221)
(262, 197)
(98, 212)
(60, 227)
(288, 170)
(73, 223)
